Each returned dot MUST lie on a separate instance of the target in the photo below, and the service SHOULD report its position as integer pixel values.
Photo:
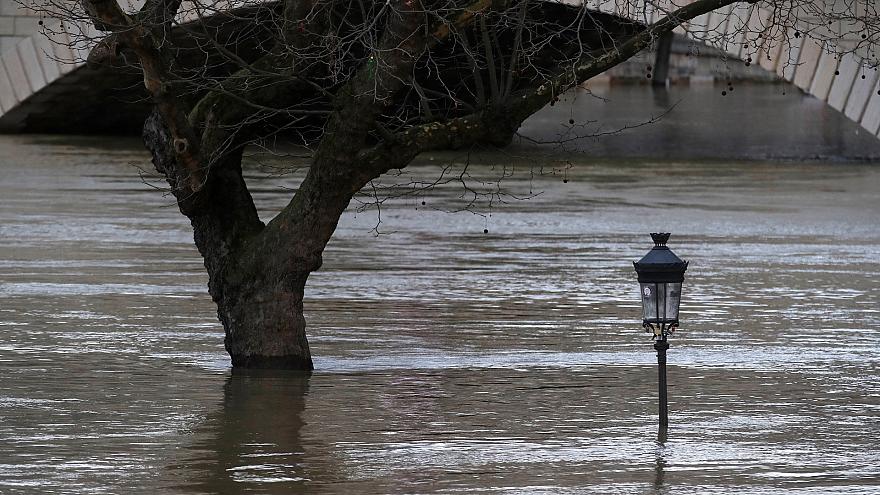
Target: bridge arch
(44, 86)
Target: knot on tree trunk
(106, 52)
(181, 145)
(165, 152)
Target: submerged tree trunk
(257, 273)
(255, 276)
(265, 326)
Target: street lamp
(661, 274)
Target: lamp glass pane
(673, 299)
(649, 300)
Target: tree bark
(259, 295)
(265, 326)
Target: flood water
(450, 360)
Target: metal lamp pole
(661, 274)
(661, 345)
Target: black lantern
(661, 274)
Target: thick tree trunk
(265, 327)
(255, 282)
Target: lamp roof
(660, 264)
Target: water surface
(449, 360)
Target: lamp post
(661, 274)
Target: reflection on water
(660, 462)
(449, 360)
(253, 441)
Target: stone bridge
(44, 87)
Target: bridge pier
(661, 61)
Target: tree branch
(108, 16)
(386, 71)
(496, 125)
(159, 13)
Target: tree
(366, 86)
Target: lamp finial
(660, 238)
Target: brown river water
(450, 360)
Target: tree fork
(255, 282)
